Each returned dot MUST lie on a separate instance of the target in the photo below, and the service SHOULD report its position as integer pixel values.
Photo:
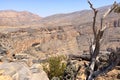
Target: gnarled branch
(95, 47)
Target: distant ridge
(23, 18)
(77, 18)
(17, 18)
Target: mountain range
(77, 18)
(23, 18)
(27, 40)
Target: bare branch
(95, 46)
(110, 10)
(91, 6)
(94, 19)
(107, 13)
(114, 59)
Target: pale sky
(49, 7)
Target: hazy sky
(49, 7)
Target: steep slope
(16, 18)
(76, 18)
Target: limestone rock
(20, 71)
(5, 77)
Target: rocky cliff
(58, 40)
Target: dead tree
(92, 72)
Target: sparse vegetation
(56, 67)
(93, 70)
(71, 71)
(32, 44)
(96, 68)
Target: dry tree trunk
(95, 45)
(93, 70)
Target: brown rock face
(15, 18)
(57, 40)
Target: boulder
(20, 71)
(38, 73)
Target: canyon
(27, 35)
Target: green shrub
(56, 67)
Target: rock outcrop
(20, 71)
(42, 41)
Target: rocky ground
(24, 45)
(22, 50)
